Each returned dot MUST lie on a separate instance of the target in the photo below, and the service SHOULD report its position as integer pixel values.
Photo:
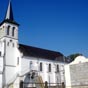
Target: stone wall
(76, 73)
(79, 74)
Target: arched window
(57, 68)
(0, 53)
(49, 67)
(31, 64)
(8, 44)
(40, 66)
(8, 30)
(13, 45)
(17, 60)
(13, 31)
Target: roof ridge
(40, 48)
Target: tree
(73, 56)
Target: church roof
(39, 52)
(9, 21)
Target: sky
(58, 25)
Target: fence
(40, 85)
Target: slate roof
(9, 21)
(39, 52)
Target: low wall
(76, 73)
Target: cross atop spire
(9, 13)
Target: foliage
(73, 56)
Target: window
(13, 44)
(40, 66)
(31, 65)
(8, 30)
(49, 67)
(8, 44)
(13, 31)
(18, 61)
(0, 53)
(57, 68)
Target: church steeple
(9, 13)
(9, 16)
(9, 26)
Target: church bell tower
(9, 45)
(9, 27)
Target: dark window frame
(13, 31)
(57, 68)
(7, 43)
(17, 60)
(8, 30)
(49, 68)
(0, 53)
(13, 44)
(41, 68)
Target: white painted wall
(1, 64)
(12, 69)
(1, 71)
(0, 80)
(47, 76)
(67, 76)
(3, 30)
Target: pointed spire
(9, 13)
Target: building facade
(25, 63)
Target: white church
(23, 63)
